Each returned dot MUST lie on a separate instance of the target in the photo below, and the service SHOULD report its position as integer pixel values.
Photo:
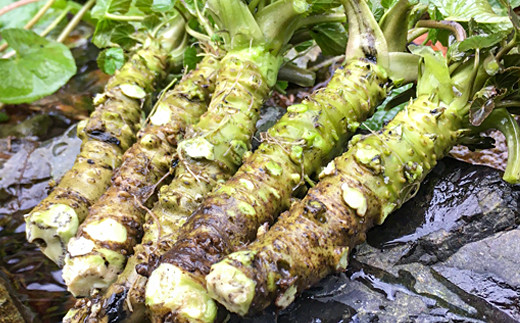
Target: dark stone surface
(451, 254)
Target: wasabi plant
(213, 148)
(295, 148)
(106, 135)
(378, 173)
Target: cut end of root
(171, 291)
(52, 229)
(84, 274)
(230, 287)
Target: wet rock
(11, 309)
(487, 272)
(446, 256)
(26, 173)
(457, 204)
(36, 125)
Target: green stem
(75, 21)
(39, 14)
(55, 22)
(506, 49)
(300, 76)
(366, 40)
(502, 120)
(253, 5)
(508, 104)
(457, 30)
(15, 5)
(415, 33)
(123, 18)
(393, 23)
(320, 19)
(196, 34)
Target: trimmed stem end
(230, 287)
(52, 229)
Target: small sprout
(412, 171)
(262, 230)
(355, 199)
(371, 158)
(353, 126)
(246, 208)
(133, 91)
(295, 177)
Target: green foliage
(321, 6)
(39, 68)
(190, 58)
(109, 33)
(481, 41)
(331, 37)
(388, 109)
(102, 7)
(478, 10)
(110, 60)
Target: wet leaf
(484, 103)
(39, 68)
(110, 60)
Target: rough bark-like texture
(180, 107)
(108, 133)
(305, 139)
(359, 189)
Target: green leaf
(282, 85)
(331, 37)
(109, 32)
(484, 103)
(303, 46)
(162, 5)
(118, 7)
(383, 113)
(320, 6)
(110, 60)
(377, 9)
(479, 10)
(39, 68)
(481, 41)
(190, 58)
(18, 17)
